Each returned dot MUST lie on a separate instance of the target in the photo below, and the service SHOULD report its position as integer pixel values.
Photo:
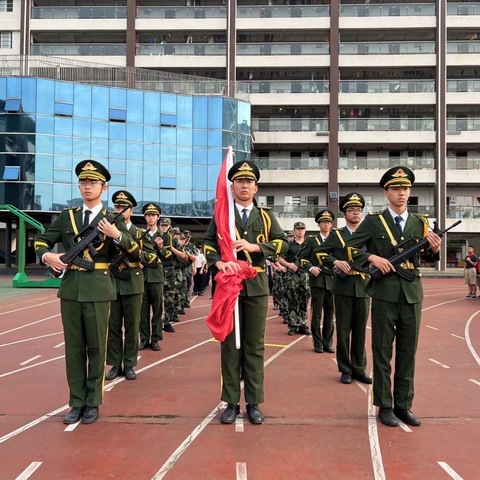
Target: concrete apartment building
(339, 91)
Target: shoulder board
(375, 213)
(264, 208)
(423, 217)
(312, 236)
(76, 209)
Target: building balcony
(387, 48)
(305, 163)
(388, 10)
(286, 48)
(290, 92)
(183, 13)
(182, 49)
(289, 125)
(387, 124)
(78, 49)
(87, 12)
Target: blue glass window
(151, 134)
(200, 156)
(168, 120)
(200, 138)
(118, 115)
(81, 147)
(118, 131)
(63, 145)
(29, 94)
(13, 105)
(99, 148)
(118, 98)
(11, 173)
(184, 177)
(168, 170)
(46, 100)
(44, 144)
(100, 104)
(185, 110)
(200, 175)
(63, 126)
(81, 128)
(116, 166)
(151, 152)
(134, 133)
(65, 109)
(82, 101)
(168, 182)
(169, 103)
(64, 92)
(184, 137)
(100, 129)
(134, 151)
(184, 155)
(200, 109)
(44, 168)
(151, 174)
(214, 138)
(62, 176)
(135, 106)
(215, 113)
(134, 172)
(151, 195)
(117, 150)
(168, 136)
(152, 107)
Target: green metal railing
(21, 278)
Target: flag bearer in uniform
(396, 302)
(258, 236)
(85, 295)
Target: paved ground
(166, 423)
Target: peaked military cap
(290, 233)
(152, 208)
(122, 197)
(187, 233)
(175, 231)
(352, 199)
(325, 216)
(397, 176)
(165, 221)
(244, 170)
(92, 170)
(298, 225)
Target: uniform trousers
(322, 299)
(85, 328)
(397, 321)
(250, 357)
(124, 316)
(152, 296)
(351, 314)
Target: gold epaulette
(375, 213)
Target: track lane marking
(448, 469)
(438, 363)
(239, 424)
(27, 473)
(433, 328)
(468, 339)
(31, 338)
(457, 336)
(31, 366)
(59, 345)
(31, 306)
(476, 382)
(241, 470)
(30, 360)
(196, 432)
(29, 324)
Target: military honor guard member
(321, 282)
(85, 295)
(352, 304)
(396, 302)
(151, 328)
(124, 323)
(259, 237)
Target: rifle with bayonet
(120, 259)
(85, 239)
(407, 250)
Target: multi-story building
(340, 91)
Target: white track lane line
(196, 432)
(31, 306)
(450, 470)
(469, 341)
(457, 336)
(433, 328)
(438, 363)
(476, 382)
(30, 360)
(241, 470)
(27, 473)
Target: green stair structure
(21, 279)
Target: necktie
(86, 218)
(244, 216)
(398, 220)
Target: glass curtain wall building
(162, 147)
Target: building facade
(339, 90)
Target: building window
(118, 115)
(64, 109)
(168, 182)
(11, 173)
(13, 105)
(168, 120)
(5, 39)
(6, 5)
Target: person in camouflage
(296, 287)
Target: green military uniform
(263, 229)
(85, 300)
(320, 288)
(396, 303)
(154, 276)
(253, 303)
(352, 306)
(125, 309)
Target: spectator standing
(470, 272)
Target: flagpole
(231, 227)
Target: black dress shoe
(318, 349)
(387, 417)
(114, 373)
(304, 330)
(292, 331)
(168, 328)
(181, 312)
(230, 413)
(406, 416)
(90, 415)
(328, 349)
(130, 373)
(154, 345)
(255, 415)
(143, 345)
(74, 415)
(346, 378)
(361, 377)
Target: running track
(166, 424)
